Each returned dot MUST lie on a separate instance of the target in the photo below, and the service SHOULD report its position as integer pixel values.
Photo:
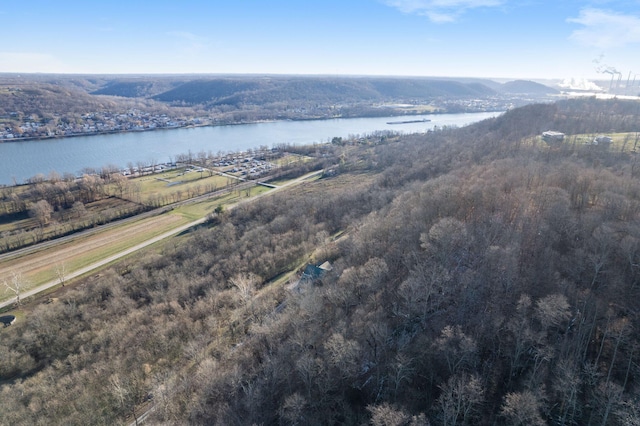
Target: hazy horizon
(495, 39)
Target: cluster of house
(552, 137)
(97, 122)
(475, 105)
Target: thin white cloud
(605, 29)
(185, 35)
(189, 37)
(441, 10)
(31, 62)
(192, 43)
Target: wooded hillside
(323, 90)
(49, 105)
(479, 276)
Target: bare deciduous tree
(522, 408)
(388, 415)
(457, 349)
(16, 285)
(41, 212)
(460, 399)
(61, 272)
(246, 285)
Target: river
(22, 160)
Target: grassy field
(19, 230)
(284, 182)
(101, 211)
(174, 185)
(40, 267)
(625, 142)
(621, 142)
(198, 210)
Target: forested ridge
(313, 90)
(50, 105)
(479, 276)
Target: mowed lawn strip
(175, 186)
(201, 209)
(40, 267)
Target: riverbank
(74, 155)
(105, 132)
(213, 123)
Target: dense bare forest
(22, 97)
(479, 276)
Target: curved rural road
(140, 246)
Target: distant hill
(419, 88)
(136, 88)
(203, 91)
(527, 87)
(260, 91)
(235, 98)
(43, 99)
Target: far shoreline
(238, 123)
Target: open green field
(625, 142)
(284, 182)
(40, 267)
(199, 210)
(160, 189)
(175, 185)
(25, 230)
(621, 141)
(289, 159)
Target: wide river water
(22, 160)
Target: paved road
(147, 243)
(103, 262)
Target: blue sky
(453, 38)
